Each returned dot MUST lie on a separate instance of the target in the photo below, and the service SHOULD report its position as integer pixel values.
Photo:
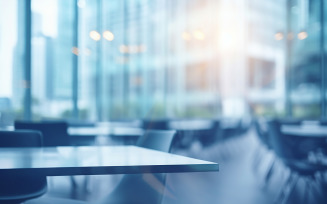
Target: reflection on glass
(159, 59)
(12, 62)
(302, 35)
(94, 35)
(305, 72)
(52, 55)
(108, 35)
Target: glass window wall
(52, 58)
(12, 53)
(304, 58)
(108, 60)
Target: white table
(105, 131)
(305, 130)
(97, 160)
(191, 125)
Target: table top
(191, 125)
(305, 130)
(97, 160)
(105, 131)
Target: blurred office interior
(239, 62)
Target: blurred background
(103, 60)
(231, 61)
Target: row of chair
(291, 151)
(16, 188)
(55, 132)
(19, 187)
(219, 129)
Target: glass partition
(266, 56)
(305, 77)
(108, 60)
(52, 55)
(12, 52)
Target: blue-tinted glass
(11, 61)
(304, 58)
(158, 59)
(52, 55)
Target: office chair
(264, 149)
(212, 135)
(143, 188)
(231, 128)
(155, 124)
(293, 152)
(54, 132)
(77, 123)
(17, 188)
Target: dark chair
(262, 131)
(143, 188)
(293, 152)
(17, 188)
(264, 149)
(323, 122)
(245, 124)
(155, 124)
(231, 127)
(157, 139)
(212, 135)
(23, 186)
(54, 132)
(81, 140)
(76, 123)
(289, 121)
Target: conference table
(305, 130)
(310, 138)
(102, 133)
(129, 134)
(105, 131)
(97, 160)
(190, 130)
(190, 125)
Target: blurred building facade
(142, 58)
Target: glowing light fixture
(186, 36)
(198, 34)
(279, 36)
(75, 51)
(123, 49)
(302, 35)
(132, 49)
(94, 35)
(108, 35)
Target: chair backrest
(231, 127)
(261, 128)
(15, 188)
(157, 139)
(144, 188)
(323, 122)
(74, 123)
(54, 132)
(285, 146)
(211, 135)
(155, 124)
(289, 121)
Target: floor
(239, 181)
